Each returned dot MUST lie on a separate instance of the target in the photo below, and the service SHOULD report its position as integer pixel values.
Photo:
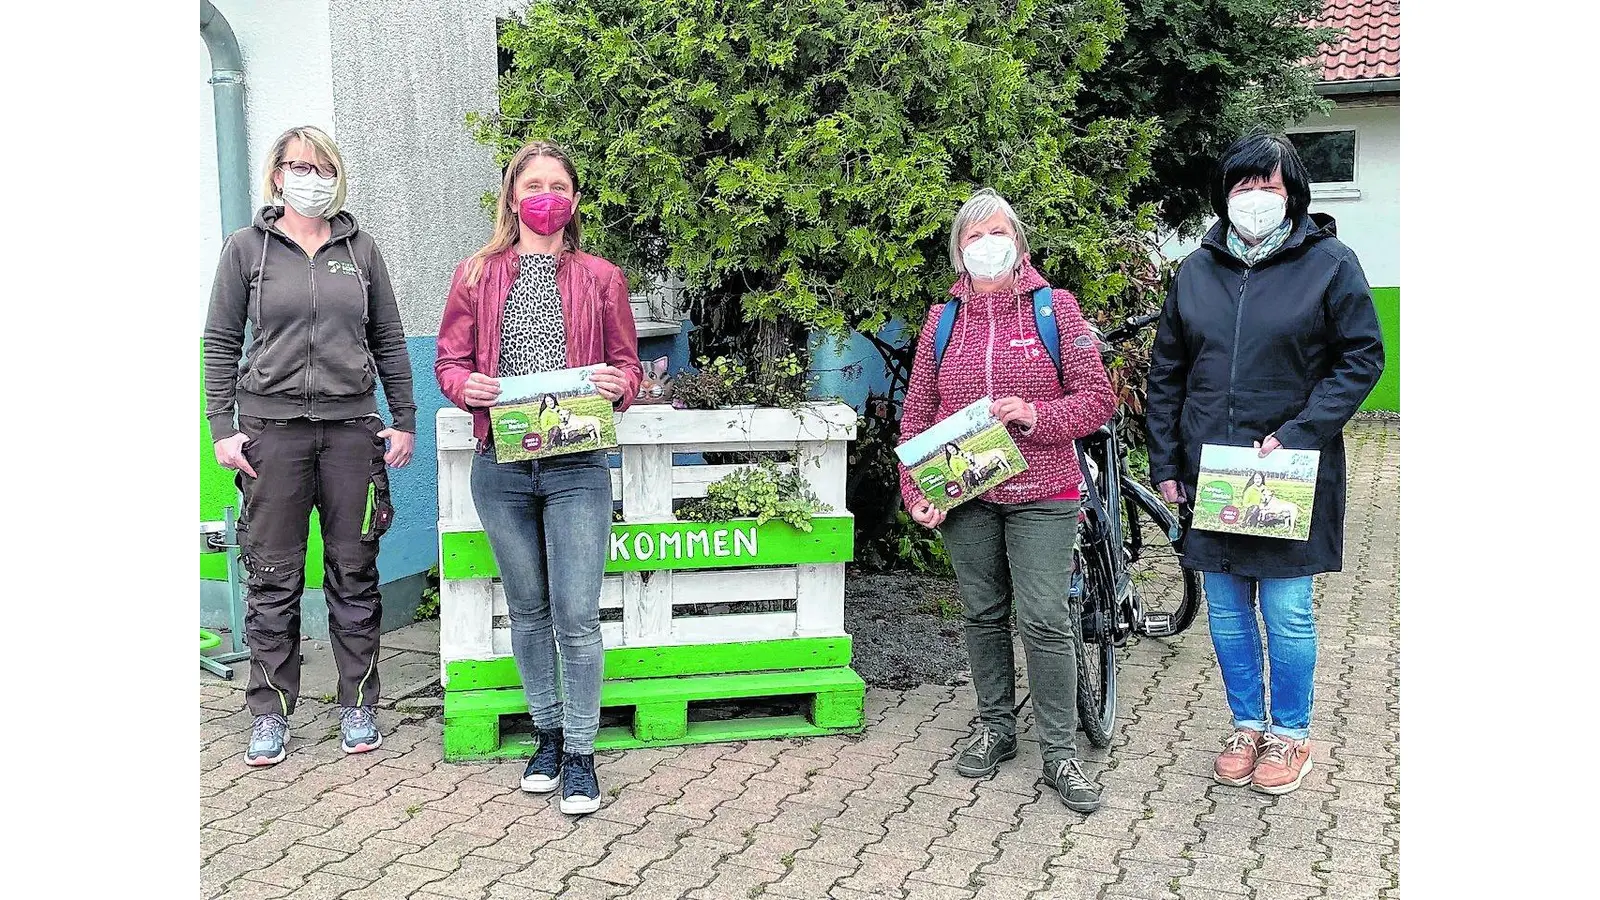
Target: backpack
(1044, 322)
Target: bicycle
(1126, 573)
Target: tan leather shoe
(1238, 760)
(1283, 763)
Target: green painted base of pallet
(660, 711)
(670, 661)
(521, 745)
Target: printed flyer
(550, 414)
(962, 456)
(1241, 492)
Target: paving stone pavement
(877, 815)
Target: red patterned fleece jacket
(995, 351)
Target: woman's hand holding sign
(609, 381)
(481, 390)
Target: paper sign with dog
(960, 457)
(1242, 492)
(550, 414)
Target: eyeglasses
(305, 168)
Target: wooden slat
(734, 585)
(671, 660)
(683, 689)
(647, 497)
(728, 429)
(453, 430)
(819, 605)
(692, 481)
(465, 621)
(610, 595)
(822, 465)
(456, 510)
(693, 630)
(735, 428)
(740, 627)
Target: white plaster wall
(288, 71)
(1370, 224)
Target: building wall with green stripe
(1386, 396)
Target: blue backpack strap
(941, 333)
(1044, 321)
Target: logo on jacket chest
(1026, 348)
(340, 267)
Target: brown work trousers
(336, 467)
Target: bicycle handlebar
(1129, 328)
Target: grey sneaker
(269, 737)
(986, 752)
(358, 729)
(1076, 790)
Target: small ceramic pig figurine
(656, 387)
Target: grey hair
(984, 203)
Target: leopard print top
(533, 335)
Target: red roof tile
(1370, 47)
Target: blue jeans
(548, 522)
(1291, 648)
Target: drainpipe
(227, 91)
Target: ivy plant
(760, 491)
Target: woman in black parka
(1268, 339)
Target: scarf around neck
(1264, 248)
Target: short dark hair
(1256, 155)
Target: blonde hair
(326, 150)
(508, 218)
(984, 203)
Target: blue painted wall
(853, 370)
(412, 543)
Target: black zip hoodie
(323, 328)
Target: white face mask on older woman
(1254, 214)
(990, 256)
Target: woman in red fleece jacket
(1015, 542)
(532, 301)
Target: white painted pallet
(473, 611)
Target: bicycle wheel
(1167, 593)
(1095, 644)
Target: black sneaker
(986, 752)
(580, 789)
(1076, 790)
(544, 768)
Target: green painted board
(753, 729)
(681, 545)
(1386, 394)
(646, 691)
(657, 662)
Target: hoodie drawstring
(360, 275)
(261, 277)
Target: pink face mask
(546, 213)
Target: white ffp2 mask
(990, 256)
(1254, 214)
